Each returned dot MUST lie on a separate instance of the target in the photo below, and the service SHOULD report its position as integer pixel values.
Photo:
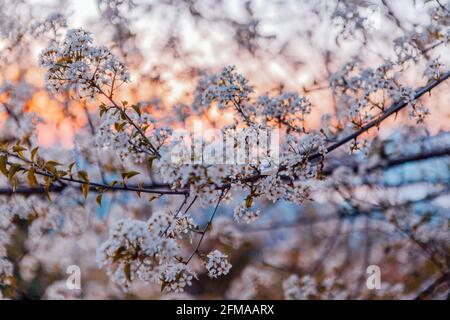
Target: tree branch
(393, 109)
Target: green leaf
(83, 175)
(137, 109)
(48, 193)
(3, 162)
(14, 183)
(13, 170)
(127, 270)
(249, 201)
(164, 284)
(129, 174)
(99, 198)
(31, 177)
(18, 148)
(103, 109)
(34, 153)
(118, 254)
(119, 126)
(151, 198)
(71, 168)
(85, 190)
(51, 166)
(4, 146)
(52, 163)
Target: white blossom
(217, 264)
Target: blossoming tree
(177, 175)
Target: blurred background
(395, 217)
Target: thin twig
(208, 225)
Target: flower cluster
(362, 94)
(78, 66)
(120, 135)
(228, 88)
(286, 109)
(175, 277)
(433, 69)
(217, 264)
(243, 212)
(412, 46)
(163, 249)
(138, 249)
(197, 177)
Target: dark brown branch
(31, 191)
(100, 187)
(389, 163)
